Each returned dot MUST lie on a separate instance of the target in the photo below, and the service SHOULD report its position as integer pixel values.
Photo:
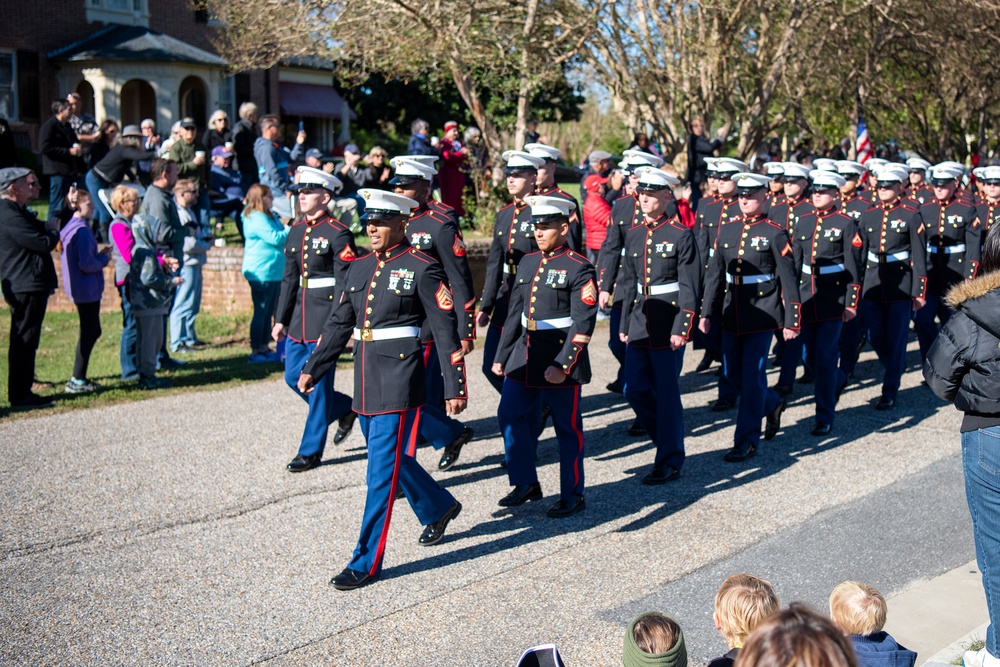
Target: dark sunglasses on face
(824, 190)
(724, 176)
(941, 182)
(886, 185)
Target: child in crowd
(83, 281)
(150, 286)
(796, 636)
(859, 611)
(654, 640)
(742, 602)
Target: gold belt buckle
(366, 335)
(530, 325)
(305, 283)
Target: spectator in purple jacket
(83, 281)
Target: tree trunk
(524, 82)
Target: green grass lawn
(221, 364)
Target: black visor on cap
(517, 170)
(549, 218)
(749, 190)
(942, 181)
(850, 175)
(825, 188)
(298, 187)
(991, 181)
(374, 214)
(650, 187)
(406, 179)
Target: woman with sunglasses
(218, 132)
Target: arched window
(138, 102)
(193, 96)
(86, 93)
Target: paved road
(167, 531)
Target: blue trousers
(265, 301)
(713, 341)
(103, 216)
(58, 188)
(744, 363)
(820, 341)
(851, 337)
(325, 403)
(927, 328)
(187, 305)
(888, 325)
(490, 346)
(436, 426)
(615, 343)
(651, 387)
(387, 436)
(127, 351)
(981, 463)
(519, 415)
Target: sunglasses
(724, 176)
(886, 185)
(942, 182)
(851, 177)
(992, 182)
(825, 189)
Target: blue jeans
(127, 351)
(58, 187)
(187, 304)
(981, 462)
(94, 185)
(265, 299)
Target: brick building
(135, 59)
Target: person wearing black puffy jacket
(963, 366)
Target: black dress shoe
(782, 390)
(721, 405)
(705, 363)
(737, 454)
(636, 429)
(773, 421)
(661, 476)
(344, 426)
(885, 403)
(615, 387)
(565, 508)
(454, 448)
(350, 579)
(302, 463)
(434, 532)
(821, 429)
(808, 376)
(31, 402)
(522, 493)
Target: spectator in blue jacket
(420, 143)
(263, 266)
(226, 193)
(272, 163)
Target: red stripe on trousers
(579, 437)
(392, 496)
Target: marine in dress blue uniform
(853, 334)
(386, 298)
(795, 185)
(988, 209)
(513, 238)
(625, 215)
(543, 355)
(954, 248)
(776, 191)
(918, 192)
(660, 279)
(438, 236)
(318, 251)
(753, 259)
(829, 289)
(546, 186)
(724, 210)
(894, 283)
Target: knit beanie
(633, 656)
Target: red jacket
(596, 213)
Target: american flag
(864, 144)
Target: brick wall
(225, 290)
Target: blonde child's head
(857, 608)
(741, 603)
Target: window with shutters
(8, 85)
(124, 12)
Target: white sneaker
(980, 658)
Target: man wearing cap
(869, 189)
(776, 188)
(386, 298)
(189, 154)
(598, 162)
(829, 289)
(894, 283)
(724, 209)
(795, 204)
(546, 186)
(754, 263)
(272, 163)
(513, 238)
(438, 236)
(27, 278)
(543, 354)
(454, 157)
(660, 279)
(853, 333)
(227, 187)
(989, 208)
(954, 248)
(917, 191)
(625, 215)
(319, 250)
